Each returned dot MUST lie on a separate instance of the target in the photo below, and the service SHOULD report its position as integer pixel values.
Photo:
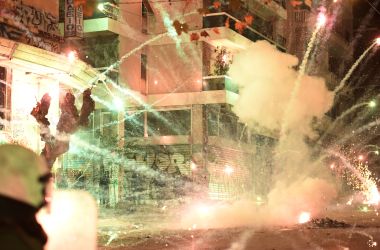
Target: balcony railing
(219, 19)
(219, 83)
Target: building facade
(177, 100)
(164, 109)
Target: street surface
(153, 231)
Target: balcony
(268, 8)
(224, 82)
(252, 32)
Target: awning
(16, 55)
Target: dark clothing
(19, 229)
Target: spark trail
(344, 114)
(353, 67)
(367, 184)
(301, 73)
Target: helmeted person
(23, 182)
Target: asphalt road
(145, 232)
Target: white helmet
(23, 175)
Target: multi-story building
(184, 124)
(169, 102)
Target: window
(134, 124)
(173, 122)
(143, 66)
(228, 125)
(212, 123)
(146, 11)
(109, 124)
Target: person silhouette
(24, 177)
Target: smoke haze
(266, 78)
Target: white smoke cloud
(285, 203)
(266, 79)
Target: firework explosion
(287, 100)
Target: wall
(175, 69)
(50, 6)
(130, 69)
(166, 13)
(31, 22)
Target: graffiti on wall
(16, 34)
(34, 18)
(29, 25)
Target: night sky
(366, 22)
(366, 29)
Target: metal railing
(222, 82)
(219, 19)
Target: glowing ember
(304, 217)
(228, 170)
(193, 166)
(372, 194)
(101, 7)
(372, 104)
(72, 56)
(321, 20)
(203, 210)
(378, 41)
(349, 202)
(118, 104)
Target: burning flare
(321, 20)
(304, 217)
(372, 194)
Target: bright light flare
(321, 20)
(377, 40)
(360, 157)
(228, 170)
(101, 7)
(203, 209)
(372, 195)
(304, 217)
(372, 104)
(193, 166)
(70, 221)
(349, 202)
(72, 56)
(118, 104)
